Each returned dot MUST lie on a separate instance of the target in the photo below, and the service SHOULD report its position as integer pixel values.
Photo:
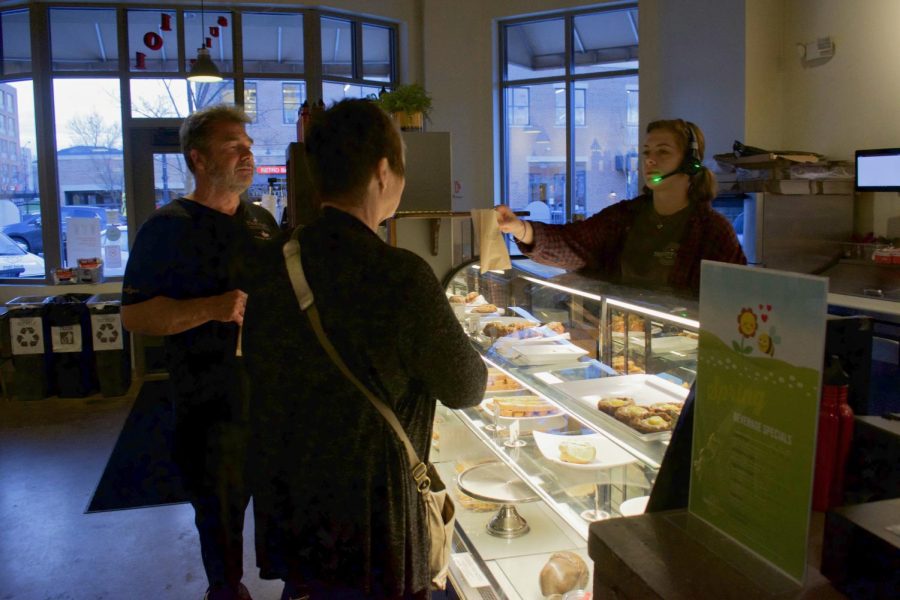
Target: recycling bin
(29, 335)
(112, 345)
(70, 344)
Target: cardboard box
(791, 186)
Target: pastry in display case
(586, 381)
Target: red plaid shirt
(596, 243)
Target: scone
(610, 404)
(470, 297)
(457, 299)
(628, 414)
(485, 308)
(579, 453)
(653, 423)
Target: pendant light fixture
(204, 70)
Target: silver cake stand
(496, 482)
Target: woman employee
(655, 240)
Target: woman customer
(655, 240)
(337, 513)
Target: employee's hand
(508, 222)
(229, 307)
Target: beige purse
(440, 514)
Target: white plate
(486, 407)
(634, 506)
(545, 354)
(637, 334)
(643, 389)
(608, 454)
(505, 320)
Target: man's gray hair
(198, 126)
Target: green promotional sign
(761, 345)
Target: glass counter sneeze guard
(565, 354)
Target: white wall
(764, 78)
(460, 58)
(692, 66)
(853, 100)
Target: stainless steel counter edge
(869, 305)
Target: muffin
(610, 404)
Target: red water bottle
(827, 438)
(845, 436)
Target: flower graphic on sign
(747, 325)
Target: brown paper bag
(493, 252)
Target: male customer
(182, 282)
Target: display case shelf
(553, 335)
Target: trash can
(112, 345)
(70, 344)
(29, 335)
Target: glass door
(159, 174)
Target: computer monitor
(878, 170)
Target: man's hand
(229, 307)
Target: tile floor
(52, 453)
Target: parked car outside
(28, 232)
(13, 258)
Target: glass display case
(586, 381)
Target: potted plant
(408, 104)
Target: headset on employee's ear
(692, 163)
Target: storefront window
(159, 98)
(152, 40)
(377, 46)
(214, 30)
(337, 48)
(16, 43)
(273, 43)
(335, 92)
(20, 216)
(90, 164)
(83, 39)
(571, 158)
(206, 94)
(535, 49)
(293, 94)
